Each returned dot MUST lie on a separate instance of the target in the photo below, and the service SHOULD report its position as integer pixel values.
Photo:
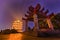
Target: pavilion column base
(35, 33)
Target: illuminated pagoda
(17, 25)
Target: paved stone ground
(22, 36)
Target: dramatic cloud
(9, 11)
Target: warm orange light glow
(17, 24)
(15, 37)
(49, 23)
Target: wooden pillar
(36, 25)
(26, 27)
(50, 23)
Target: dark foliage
(13, 31)
(56, 21)
(8, 31)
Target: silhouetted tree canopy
(56, 21)
(13, 31)
(8, 31)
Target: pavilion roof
(39, 12)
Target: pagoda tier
(41, 15)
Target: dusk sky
(15, 9)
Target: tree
(6, 31)
(56, 21)
(13, 31)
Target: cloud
(52, 5)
